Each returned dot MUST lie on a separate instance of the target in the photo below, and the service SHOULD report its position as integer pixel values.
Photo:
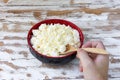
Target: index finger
(94, 44)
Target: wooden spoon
(91, 50)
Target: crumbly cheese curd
(51, 39)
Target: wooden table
(99, 20)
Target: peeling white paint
(94, 26)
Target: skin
(93, 66)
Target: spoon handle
(95, 50)
(91, 50)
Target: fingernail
(79, 51)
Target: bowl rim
(46, 20)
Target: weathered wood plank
(99, 20)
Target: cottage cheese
(52, 39)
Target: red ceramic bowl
(49, 59)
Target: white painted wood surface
(99, 20)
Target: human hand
(94, 66)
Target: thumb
(84, 58)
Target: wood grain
(99, 20)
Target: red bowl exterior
(49, 59)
